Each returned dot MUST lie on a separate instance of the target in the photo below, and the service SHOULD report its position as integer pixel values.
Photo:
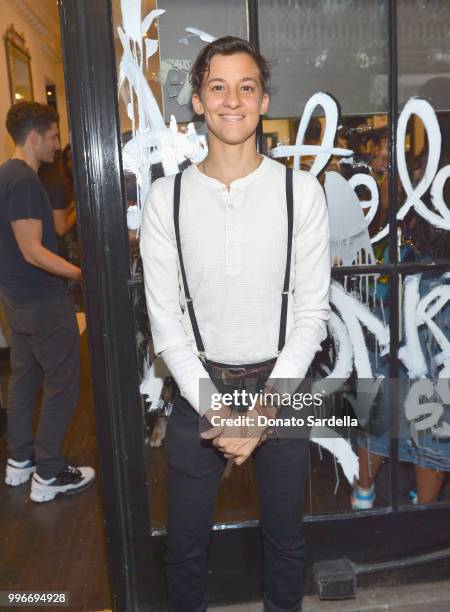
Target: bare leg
(429, 483)
(369, 464)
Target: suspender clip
(285, 292)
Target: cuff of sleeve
(285, 369)
(199, 393)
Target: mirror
(19, 67)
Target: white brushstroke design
(416, 313)
(152, 142)
(340, 448)
(346, 331)
(415, 409)
(326, 148)
(431, 178)
(425, 111)
(350, 236)
(354, 314)
(352, 350)
(368, 181)
(411, 353)
(204, 36)
(153, 381)
(343, 364)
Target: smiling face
(231, 98)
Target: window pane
(179, 46)
(340, 48)
(424, 129)
(424, 443)
(355, 363)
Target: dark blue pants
(195, 470)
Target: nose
(232, 99)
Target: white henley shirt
(234, 251)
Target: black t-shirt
(22, 196)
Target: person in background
(45, 344)
(66, 163)
(53, 180)
(71, 236)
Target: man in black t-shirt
(44, 333)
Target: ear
(264, 104)
(197, 104)
(33, 138)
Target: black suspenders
(287, 274)
(176, 217)
(285, 293)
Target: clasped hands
(237, 441)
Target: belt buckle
(231, 372)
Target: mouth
(232, 118)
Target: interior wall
(43, 65)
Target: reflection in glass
(423, 48)
(425, 364)
(185, 28)
(318, 45)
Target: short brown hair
(24, 117)
(228, 45)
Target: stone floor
(426, 597)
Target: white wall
(42, 65)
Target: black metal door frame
(134, 554)
(90, 75)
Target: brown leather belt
(237, 375)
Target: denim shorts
(421, 448)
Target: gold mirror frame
(16, 50)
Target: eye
(218, 88)
(247, 88)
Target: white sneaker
(70, 481)
(363, 499)
(18, 472)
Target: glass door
(359, 104)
